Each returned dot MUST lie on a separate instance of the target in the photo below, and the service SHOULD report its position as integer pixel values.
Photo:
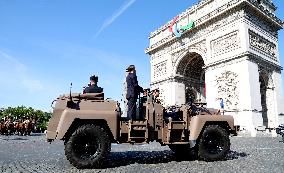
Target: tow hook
(50, 140)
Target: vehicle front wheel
(87, 147)
(214, 143)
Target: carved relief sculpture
(227, 89)
(160, 69)
(225, 44)
(262, 45)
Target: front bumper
(50, 135)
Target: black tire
(214, 143)
(184, 151)
(87, 147)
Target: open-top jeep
(88, 124)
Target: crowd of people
(21, 126)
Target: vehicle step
(138, 123)
(178, 121)
(137, 138)
(140, 128)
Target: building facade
(222, 49)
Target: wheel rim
(214, 142)
(86, 147)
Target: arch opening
(263, 81)
(190, 72)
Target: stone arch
(225, 43)
(189, 71)
(177, 59)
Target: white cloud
(15, 73)
(18, 65)
(111, 19)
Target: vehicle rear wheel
(87, 147)
(214, 143)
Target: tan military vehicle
(88, 124)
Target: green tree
(41, 118)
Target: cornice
(265, 13)
(244, 56)
(263, 62)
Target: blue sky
(47, 44)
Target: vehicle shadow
(15, 139)
(233, 155)
(37, 134)
(118, 159)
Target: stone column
(250, 96)
(178, 91)
(278, 97)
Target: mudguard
(198, 122)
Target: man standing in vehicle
(93, 87)
(133, 90)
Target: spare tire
(87, 147)
(214, 143)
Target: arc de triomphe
(222, 49)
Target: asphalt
(248, 154)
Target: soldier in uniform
(133, 91)
(156, 94)
(146, 96)
(93, 87)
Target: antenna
(70, 91)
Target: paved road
(33, 154)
